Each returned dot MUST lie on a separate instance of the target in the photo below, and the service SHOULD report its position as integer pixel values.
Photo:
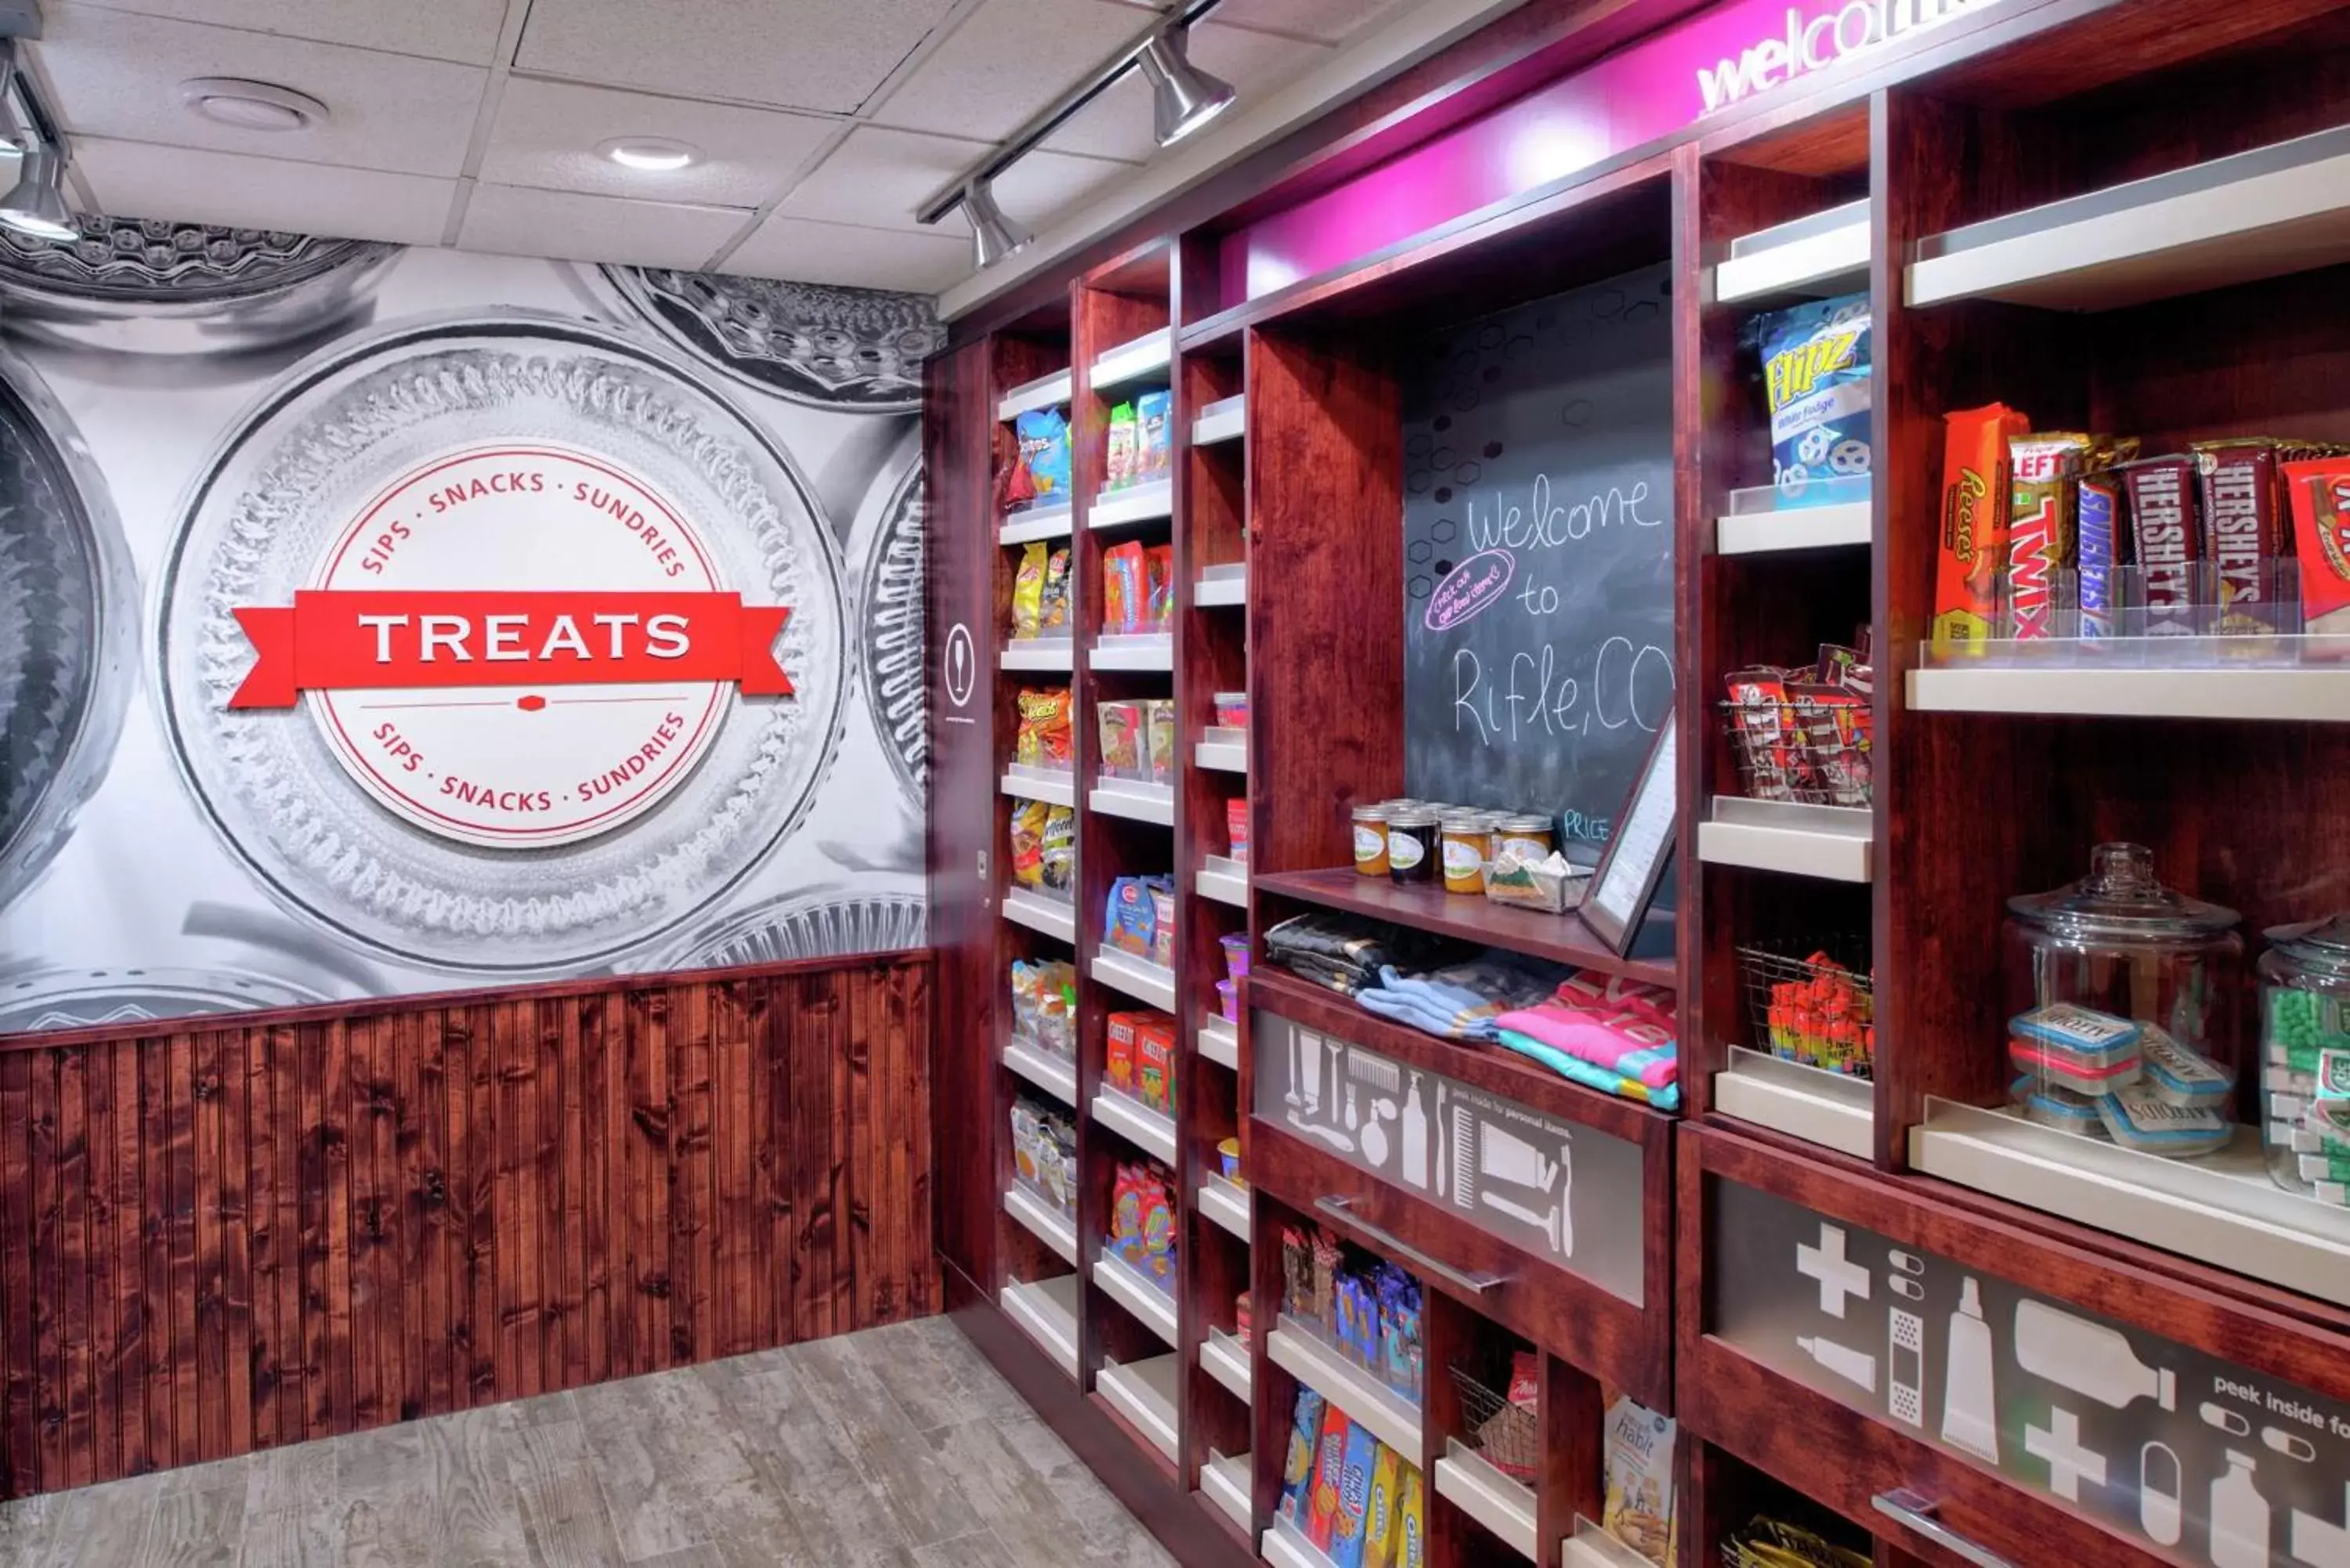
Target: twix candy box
(2320, 494)
(1974, 521)
(2044, 476)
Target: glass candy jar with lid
(2123, 1005)
(2304, 1063)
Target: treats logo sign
(1815, 42)
(474, 700)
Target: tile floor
(896, 1447)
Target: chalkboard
(1538, 549)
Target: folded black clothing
(1351, 946)
(1345, 979)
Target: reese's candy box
(2320, 493)
(1973, 521)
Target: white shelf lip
(1144, 1393)
(1220, 1042)
(1223, 748)
(1222, 420)
(1038, 523)
(1833, 842)
(2221, 1208)
(2286, 692)
(1137, 1123)
(1044, 392)
(1838, 524)
(1135, 800)
(1220, 586)
(1052, 1073)
(1142, 502)
(1042, 912)
(1791, 258)
(1047, 1311)
(1053, 786)
(1133, 651)
(1225, 1480)
(1227, 1362)
(1039, 653)
(1221, 885)
(2273, 210)
(1133, 360)
(1283, 1548)
(1830, 1109)
(1046, 1223)
(1472, 1484)
(1139, 978)
(1154, 1307)
(1225, 1204)
(1303, 1354)
(1592, 1547)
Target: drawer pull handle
(1916, 1512)
(1343, 1209)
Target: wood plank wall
(232, 1237)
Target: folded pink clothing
(1607, 996)
(1625, 1040)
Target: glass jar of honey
(1467, 846)
(1529, 833)
(1370, 840)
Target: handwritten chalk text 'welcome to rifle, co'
(1533, 694)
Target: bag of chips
(1815, 365)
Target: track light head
(37, 205)
(994, 236)
(1183, 96)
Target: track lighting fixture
(994, 236)
(1183, 96)
(36, 205)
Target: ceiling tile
(806, 251)
(1329, 20)
(461, 30)
(827, 55)
(510, 220)
(1117, 123)
(879, 177)
(197, 185)
(1007, 60)
(118, 74)
(546, 135)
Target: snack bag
(1297, 1465)
(1124, 589)
(1125, 1213)
(1120, 466)
(1121, 738)
(1044, 739)
(1237, 824)
(1028, 821)
(1159, 575)
(1816, 365)
(1131, 922)
(1053, 608)
(1158, 729)
(1157, 1250)
(1058, 860)
(1154, 439)
(1162, 925)
(1044, 436)
(1638, 1465)
(1015, 487)
(1028, 591)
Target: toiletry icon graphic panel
(2186, 1456)
(1561, 1190)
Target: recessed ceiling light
(250, 105)
(655, 154)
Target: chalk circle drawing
(1476, 584)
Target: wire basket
(1769, 1544)
(1812, 748)
(1816, 1011)
(1506, 1434)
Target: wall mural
(376, 621)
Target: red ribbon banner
(345, 640)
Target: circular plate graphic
(859, 349)
(826, 922)
(890, 613)
(66, 636)
(148, 286)
(347, 428)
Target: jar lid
(2322, 945)
(2121, 897)
(1370, 813)
(1527, 822)
(1464, 821)
(1414, 818)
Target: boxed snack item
(2165, 539)
(1028, 591)
(1122, 434)
(1119, 1067)
(1236, 954)
(1353, 1498)
(1023, 1140)
(1162, 927)
(1815, 368)
(1637, 1463)
(1044, 739)
(1154, 1060)
(1132, 915)
(1297, 1463)
(2044, 473)
(1044, 436)
(1236, 827)
(1121, 725)
(1232, 710)
(1330, 1467)
(1974, 543)
(1228, 1001)
(1156, 1258)
(1154, 439)
(1159, 729)
(2319, 491)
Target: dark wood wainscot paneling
(244, 1233)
